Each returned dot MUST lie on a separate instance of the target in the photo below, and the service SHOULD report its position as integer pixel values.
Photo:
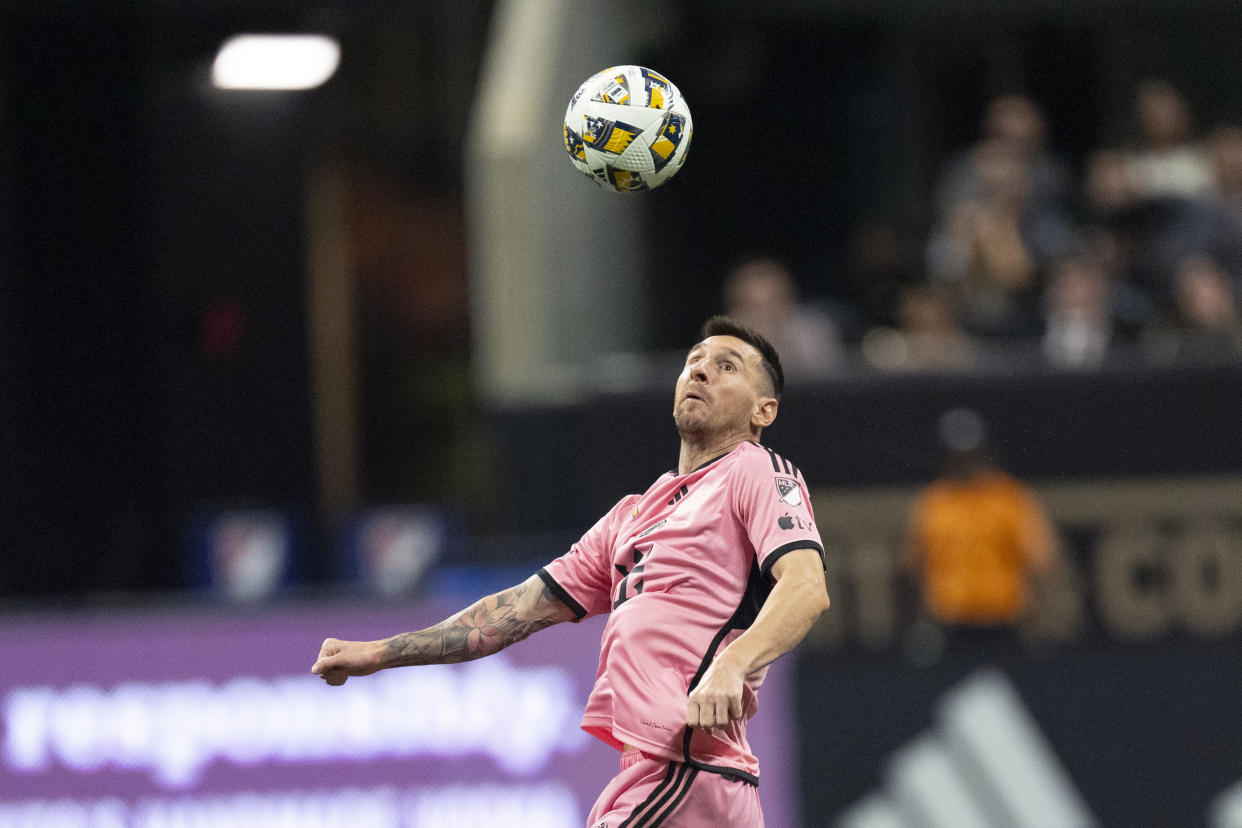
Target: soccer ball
(628, 129)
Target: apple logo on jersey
(789, 491)
(788, 521)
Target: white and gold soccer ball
(628, 129)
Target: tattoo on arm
(484, 628)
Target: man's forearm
(487, 626)
(787, 615)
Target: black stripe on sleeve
(559, 592)
(775, 554)
(781, 465)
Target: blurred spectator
(978, 251)
(1165, 200)
(1002, 214)
(1225, 151)
(1078, 317)
(1107, 185)
(1015, 122)
(929, 336)
(1142, 241)
(979, 541)
(1206, 323)
(761, 293)
(1167, 161)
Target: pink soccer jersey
(683, 569)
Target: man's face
(721, 387)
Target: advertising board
(210, 716)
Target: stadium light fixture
(284, 61)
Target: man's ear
(765, 412)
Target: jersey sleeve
(582, 577)
(771, 500)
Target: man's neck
(695, 453)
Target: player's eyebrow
(733, 352)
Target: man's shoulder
(626, 503)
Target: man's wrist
(384, 653)
(734, 658)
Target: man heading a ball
(707, 577)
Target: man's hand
(717, 700)
(338, 660)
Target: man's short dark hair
(724, 326)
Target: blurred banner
(387, 551)
(253, 555)
(205, 718)
(1117, 704)
(243, 555)
(1143, 559)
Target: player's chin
(689, 419)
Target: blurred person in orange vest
(978, 542)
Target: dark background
(152, 273)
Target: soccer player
(708, 576)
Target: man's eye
(726, 366)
